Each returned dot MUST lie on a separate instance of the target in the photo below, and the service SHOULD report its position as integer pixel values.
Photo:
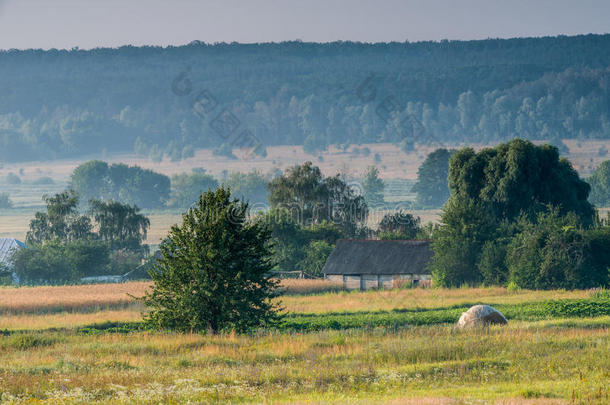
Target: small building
(8, 246)
(365, 264)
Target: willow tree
(490, 191)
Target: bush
(555, 252)
(61, 262)
(316, 253)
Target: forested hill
(68, 103)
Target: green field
(395, 346)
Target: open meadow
(82, 344)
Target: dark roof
(379, 257)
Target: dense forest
(168, 101)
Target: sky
(64, 24)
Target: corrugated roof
(379, 257)
(7, 247)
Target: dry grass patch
(79, 298)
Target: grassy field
(83, 344)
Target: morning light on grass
(95, 349)
(288, 202)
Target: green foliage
(291, 240)
(432, 185)
(458, 241)
(412, 317)
(186, 188)
(556, 252)
(61, 261)
(61, 221)
(120, 182)
(119, 225)
(313, 199)
(600, 185)
(493, 194)
(5, 201)
(213, 273)
(251, 187)
(304, 98)
(64, 248)
(399, 225)
(315, 255)
(519, 177)
(491, 264)
(373, 187)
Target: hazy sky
(96, 23)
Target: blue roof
(8, 247)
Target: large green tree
(292, 240)
(517, 178)
(432, 186)
(213, 273)
(120, 182)
(61, 221)
(372, 187)
(120, 225)
(490, 190)
(313, 199)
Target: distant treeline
(69, 103)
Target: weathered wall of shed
(351, 282)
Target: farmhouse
(364, 264)
(8, 246)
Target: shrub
(316, 253)
(61, 262)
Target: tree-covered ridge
(67, 103)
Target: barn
(365, 264)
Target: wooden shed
(365, 264)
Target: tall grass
(520, 363)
